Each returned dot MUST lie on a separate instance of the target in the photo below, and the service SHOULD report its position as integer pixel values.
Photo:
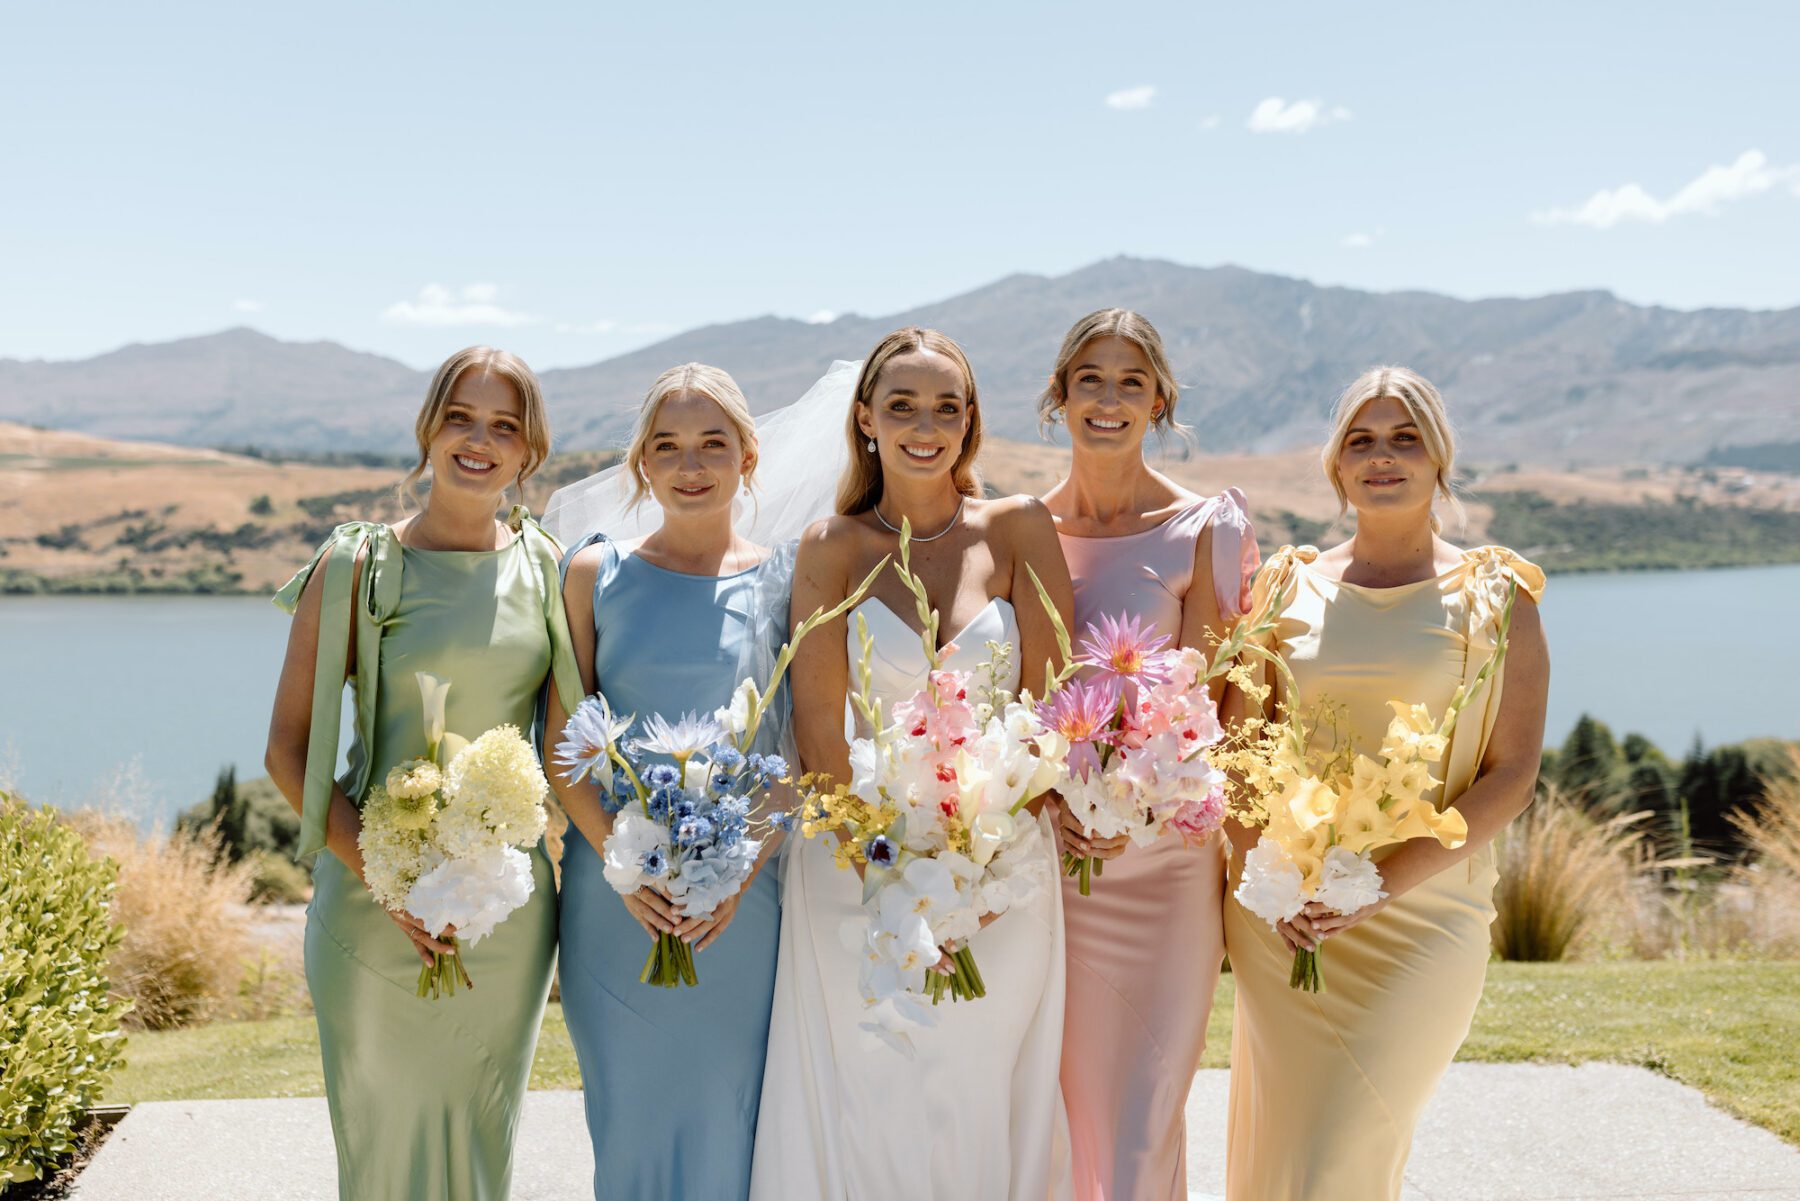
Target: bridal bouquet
(932, 811)
(1321, 822)
(691, 829)
(1139, 725)
(443, 836)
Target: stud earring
(870, 444)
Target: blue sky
(572, 181)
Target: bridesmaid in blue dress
(668, 624)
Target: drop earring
(870, 445)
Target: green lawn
(1728, 1029)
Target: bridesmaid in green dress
(424, 1094)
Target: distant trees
(1609, 776)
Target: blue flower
(692, 831)
(727, 757)
(881, 851)
(663, 803)
(590, 733)
(654, 862)
(662, 775)
(781, 819)
(724, 781)
(774, 766)
(684, 806)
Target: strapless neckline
(917, 635)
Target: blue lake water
(140, 700)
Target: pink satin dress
(1144, 947)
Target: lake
(144, 699)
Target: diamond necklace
(954, 517)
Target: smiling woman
(484, 412)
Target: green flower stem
(1305, 974)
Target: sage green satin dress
(425, 1095)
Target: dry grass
(1566, 879)
(187, 933)
(1771, 876)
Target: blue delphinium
(662, 775)
(654, 862)
(781, 820)
(727, 756)
(693, 830)
(724, 781)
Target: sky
(573, 181)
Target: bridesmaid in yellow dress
(1326, 1088)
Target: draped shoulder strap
(1235, 555)
(1492, 580)
(1273, 589)
(373, 602)
(546, 559)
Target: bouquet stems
(964, 983)
(440, 977)
(1306, 972)
(1084, 867)
(670, 965)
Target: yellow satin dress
(1327, 1087)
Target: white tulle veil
(801, 454)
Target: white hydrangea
(1348, 882)
(391, 850)
(496, 780)
(474, 894)
(1273, 886)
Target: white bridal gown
(977, 1113)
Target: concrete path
(1496, 1132)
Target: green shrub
(59, 1026)
(250, 817)
(276, 879)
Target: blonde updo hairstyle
(1134, 328)
(532, 417)
(714, 383)
(1423, 406)
(860, 487)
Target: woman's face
(1383, 464)
(919, 415)
(694, 460)
(480, 446)
(1110, 396)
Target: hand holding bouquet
(1321, 822)
(692, 828)
(932, 811)
(443, 836)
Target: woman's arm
(290, 729)
(1031, 537)
(819, 677)
(581, 799)
(1504, 783)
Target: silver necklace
(954, 518)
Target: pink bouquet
(1139, 721)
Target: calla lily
(988, 834)
(434, 691)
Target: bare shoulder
(584, 570)
(1017, 516)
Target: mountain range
(1573, 378)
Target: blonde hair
(509, 366)
(714, 383)
(1423, 406)
(860, 487)
(1134, 328)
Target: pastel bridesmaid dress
(1144, 947)
(425, 1094)
(672, 1077)
(1327, 1087)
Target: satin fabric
(1327, 1088)
(1145, 946)
(977, 1112)
(425, 1095)
(670, 643)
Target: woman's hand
(1075, 839)
(652, 910)
(1326, 922)
(422, 941)
(702, 931)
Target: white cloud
(471, 304)
(1276, 115)
(822, 317)
(241, 305)
(1138, 97)
(1359, 241)
(606, 326)
(1211, 122)
(1714, 187)
(602, 326)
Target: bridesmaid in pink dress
(1144, 948)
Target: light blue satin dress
(672, 1076)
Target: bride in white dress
(977, 1112)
